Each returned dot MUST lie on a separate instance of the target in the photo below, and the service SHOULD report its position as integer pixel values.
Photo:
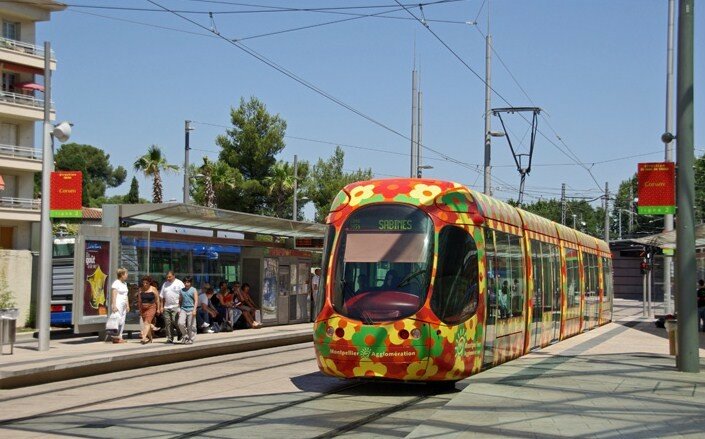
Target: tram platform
(70, 358)
(615, 381)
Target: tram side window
(556, 275)
(319, 297)
(509, 275)
(573, 277)
(607, 277)
(547, 280)
(538, 268)
(456, 290)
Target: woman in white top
(119, 302)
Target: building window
(11, 30)
(8, 133)
(8, 82)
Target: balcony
(22, 47)
(20, 209)
(21, 105)
(20, 158)
(24, 53)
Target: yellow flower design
(425, 193)
(370, 368)
(361, 193)
(416, 370)
(329, 366)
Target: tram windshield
(383, 263)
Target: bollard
(672, 329)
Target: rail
(22, 99)
(22, 47)
(20, 203)
(24, 152)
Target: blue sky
(596, 67)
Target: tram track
(181, 368)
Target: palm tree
(214, 176)
(280, 184)
(151, 165)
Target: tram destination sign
(66, 194)
(657, 195)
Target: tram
(427, 280)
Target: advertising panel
(66, 194)
(656, 183)
(96, 278)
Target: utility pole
(668, 219)
(419, 135)
(687, 360)
(631, 209)
(44, 299)
(414, 121)
(187, 147)
(488, 107)
(563, 205)
(619, 219)
(295, 215)
(607, 213)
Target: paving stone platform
(85, 356)
(616, 381)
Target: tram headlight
(329, 331)
(415, 333)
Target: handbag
(113, 322)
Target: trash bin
(8, 330)
(672, 329)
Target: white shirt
(314, 282)
(202, 299)
(121, 288)
(171, 292)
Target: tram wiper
(407, 279)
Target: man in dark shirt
(701, 304)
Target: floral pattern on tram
(421, 346)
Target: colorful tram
(426, 280)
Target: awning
(668, 239)
(30, 86)
(190, 215)
(2, 183)
(5, 65)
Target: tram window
(509, 275)
(383, 263)
(319, 296)
(456, 289)
(573, 278)
(539, 277)
(607, 279)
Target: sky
(596, 68)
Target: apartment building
(21, 108)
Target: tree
(327, 179)
(94, 163)
(210, 180)
(151, 165)
(700, 189)
(280, 189)
(250, 148)
(133, 197)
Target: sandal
(117, 340)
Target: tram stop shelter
(212, 245)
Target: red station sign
(66, 194)
(656, 183)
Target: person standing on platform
(701, 304)
(148, 302)
(170, 295)
(187, 316)
(119, 303)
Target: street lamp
(60, 132)
(420, 168)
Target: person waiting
(248, 307)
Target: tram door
(537, 272)
(490, 300)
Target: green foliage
(328, 178)
(250, 148)
(280, 189)
(133, 197)
(212, 180)
(700, 189)
(152, 164)
(7, 299)
(94, 163)
(64, 229)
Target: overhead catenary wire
(462, 61)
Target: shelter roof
(190, 215)
(668, 239)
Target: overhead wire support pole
(295, 213)
(563, 204)
(487, 189)
(607, 213)
(187, 148)
(668, 219)
(45, 252)
(414, 121)
(688, 345)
